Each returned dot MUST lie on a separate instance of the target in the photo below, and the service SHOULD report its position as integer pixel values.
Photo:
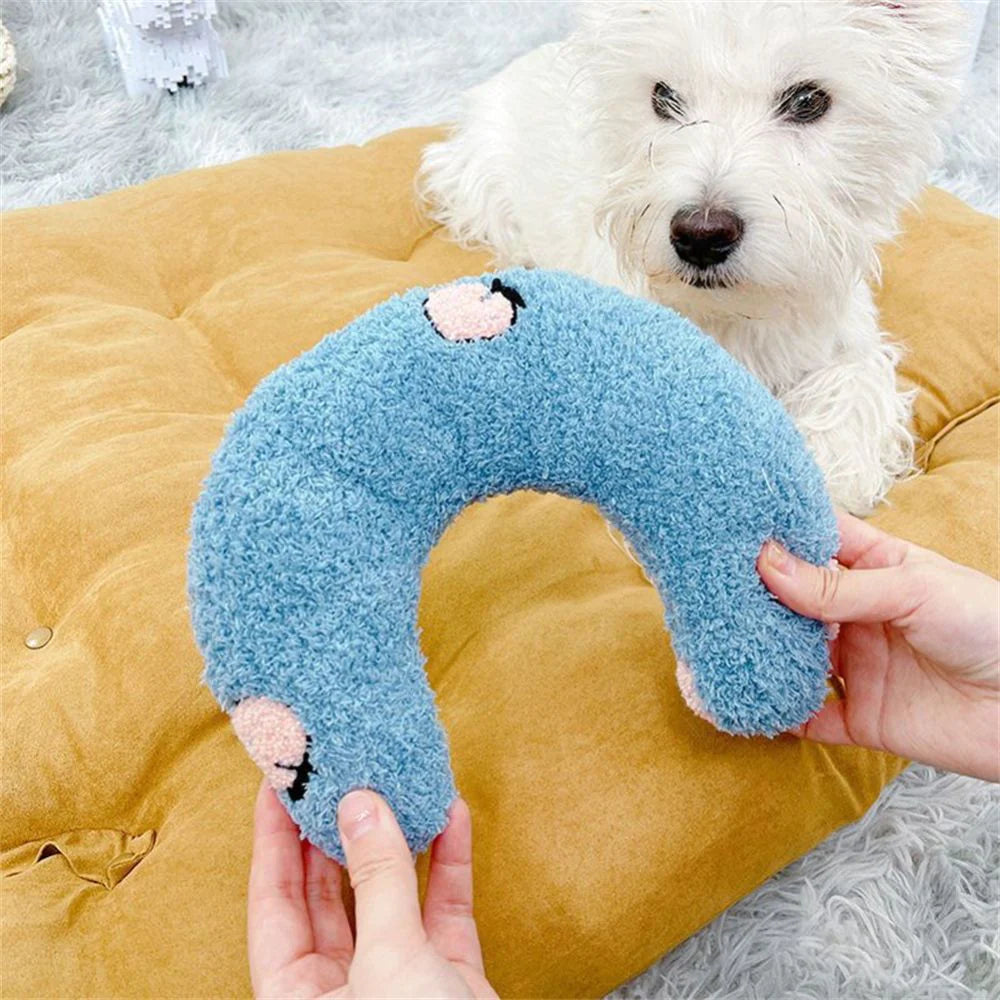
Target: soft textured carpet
(905, 903)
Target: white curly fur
(560, 161)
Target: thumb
(834, 595)
(386, 906)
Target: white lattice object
(8, 64)
(163, 44)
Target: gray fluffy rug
(904, 904)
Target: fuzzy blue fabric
(345, 466)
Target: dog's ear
(949, 17)
(900, 8)
(593, 13)
(927, 42)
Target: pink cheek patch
(469, 311)
(273, 736)
(685, 681)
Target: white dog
(738, 160)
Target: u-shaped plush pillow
(345, 466)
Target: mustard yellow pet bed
(610, 821)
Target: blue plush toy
(345, 466)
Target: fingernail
(357, 814)
(778, 559)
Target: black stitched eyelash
(804, 102)
(512, 295)
(666, 101)
(302, 770)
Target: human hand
(918, 651)
(299, 939)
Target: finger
(380, 866)
(829, 725)
(448, 902)
(865, 545)
(835, 676)
(837, 595)
(278, 930)
(836, 682)
(331, 931)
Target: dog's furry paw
(857, 425)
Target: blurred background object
(163, 44)
(8, 63)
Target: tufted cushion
(610, 821)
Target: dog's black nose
(705, 236)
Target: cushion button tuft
(38, 637)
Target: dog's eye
(804, 103)
(666, 102)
